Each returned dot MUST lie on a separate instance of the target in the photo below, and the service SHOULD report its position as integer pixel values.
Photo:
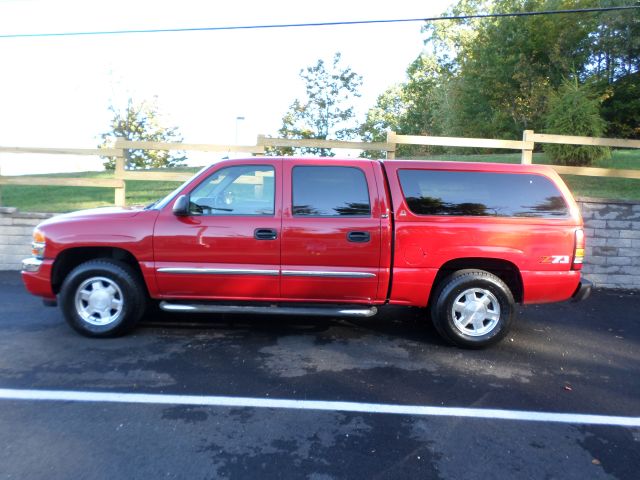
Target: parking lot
(203, 379)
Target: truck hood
(102, 213)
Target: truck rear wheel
(102, 298)
(473, 309)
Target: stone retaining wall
(612, 229)
(612, 257)
(15, 236)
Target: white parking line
(215, 401)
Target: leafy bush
(572, 111)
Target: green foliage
(425, 78)
(387, 114)
(140, 122)
(514, 63)
(573, 112)
(327, 110)
(417, 107)
(621, 108)
(493, 77)
(446, 40)
(615, 43)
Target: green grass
(66, 199)
(603, 187)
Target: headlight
(39, 242)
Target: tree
(422, 93)
(416, 107)
(621, 109)
(615, 44)
(514, 63)
(493, 77)
(327, 110)
(505, 69)
(574, 112)
(140, 122)
(447, 41)
(387, 114)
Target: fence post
(527, 147)
(260, 143)
(391, 140)
(120, 192)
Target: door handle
(265, 234)
(358, 237)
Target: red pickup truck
(322, 237)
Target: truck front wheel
(102, 298)
(473, 308)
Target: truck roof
(469, 166)
(436, 164)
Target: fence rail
(597, 172)
(317, 143)
(455, 142)
(64, 182)
(196, 147)
(593, 141)
(122, 147)
(105, 152)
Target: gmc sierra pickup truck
(322, 237)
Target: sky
(56, 91)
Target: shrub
(572, 111)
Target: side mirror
(181, 206)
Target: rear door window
(438, 192)
(330, 192)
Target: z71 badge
(555, 259)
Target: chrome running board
(274, 310)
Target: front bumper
(31, 264)
(36, 275)
(583, 291)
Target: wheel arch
(70, 258)
(507, 271)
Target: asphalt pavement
(565, 358)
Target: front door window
(237, 190)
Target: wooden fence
(527, 145)
(121, 148)
(117, 184)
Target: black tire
(472, 309)
(102, 298)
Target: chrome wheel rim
(99, 301)
(475, 312)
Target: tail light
(578, 254)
